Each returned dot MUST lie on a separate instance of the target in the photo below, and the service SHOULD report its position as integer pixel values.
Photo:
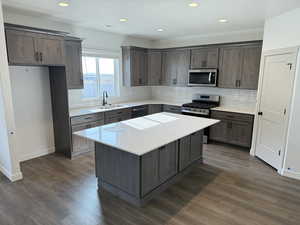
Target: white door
(275, 94)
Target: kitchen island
(138, 158)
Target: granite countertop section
(123, 105)
(145, 134)
(236, 109)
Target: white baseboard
(36, 154)
(10, 176)
(291, 174)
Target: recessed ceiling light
(160, 30)
(123, 20)
(63, 3)
(223, 20)
(193, 4)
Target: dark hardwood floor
(229, 188)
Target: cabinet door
(169, 68)
(184, 152)
(182, 64)
(51, 51)
(20, 48)
(196, 145)
(168, 162)
(150, 171)
(241, 133)
(74, 64)
(81, 145)
(251, 65)
(139, 68)
(230, 67)
(154, 68)
(204, 58)
(113, 119)
(172, 109)
(155, 109)
(219, 131)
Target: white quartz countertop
(145, 134)
(123, 105)
(236, 109)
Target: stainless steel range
(200, 107)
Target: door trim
(294, 51)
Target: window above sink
(99, 74)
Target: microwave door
(201, 79)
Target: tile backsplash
(229, 97)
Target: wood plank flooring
(230, 188)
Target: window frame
(108, 55)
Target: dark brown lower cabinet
(138, 179)
(234, 128)
(155, 108)
(172, 109)
(83, 145)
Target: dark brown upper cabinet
(204, 58)
(175, 67)
(239, 66)
(29, 48)
(154, 67)
(74, 63)
(21, 47)
(134, 66)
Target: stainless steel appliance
(203, 77)
(200, 107)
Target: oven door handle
(209, 77)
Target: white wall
(9, 164)
(282, 32)
(246, 35)
(245, 99)
(33, 115)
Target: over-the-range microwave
(203, 77)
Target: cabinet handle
(239, 83)
(36, 56)
(41, 56)
(236, 83)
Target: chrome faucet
(104, 98)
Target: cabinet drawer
(117, 112)
(87, 125)
(172, 109)
(232, 116)
(87, 118)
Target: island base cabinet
(190, 149)
(158, 166)
(118, 168)
(139, 178)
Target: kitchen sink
(109, 106)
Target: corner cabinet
(175, 67)
(74, 63)
(239, 66)
(134, 62)
(234, 128)
(154, 67)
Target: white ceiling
(146, 16)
